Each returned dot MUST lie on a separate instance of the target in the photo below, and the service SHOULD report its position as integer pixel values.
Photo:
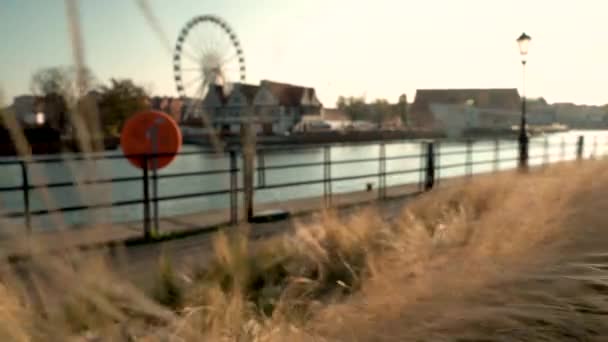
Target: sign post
(151, 140)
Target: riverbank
(335, 137)
(315, 138)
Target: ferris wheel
(207, 53)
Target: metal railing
(429, 172)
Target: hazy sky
(378, 48)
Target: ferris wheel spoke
(196, 36)
(217, 40)
(191, 56)
(193, 82)
(196, 51)
(202, 37)
(230, 58)
(220, 40)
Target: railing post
(429, 179)
(261, 169)
(327, 188)
(25, 187)
(580, 147)
(146, 190)
(523, 144)
(248, 190)
(155, 211)
(469, 157)
(234, 215)
(422, 168)
(382, 171)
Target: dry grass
(462, 261)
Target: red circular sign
(151, 132)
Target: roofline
(286, 84)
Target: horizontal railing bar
(508, 160)
(410, 156)
(482, 162)
(287, 185)
(353, 161)
(85, 182)
(335, 162)
(288, 166)
(449, 166)
(340, 179)
(488, 150)
(196, 173)
(75, 208)
(116, 204)
(190, 195)
(11, 188)
(450, 153)
(397, 172)
(101, 156)
(124, 179)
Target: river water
(596, 142)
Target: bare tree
(62, 81)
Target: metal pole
(261, 169)
(155, 150)
(429, 180)
(422, 168)
(327, 175)
(25, 186)
(382, 171)
(248, 155)
(580, 147)
(233, 188)
(469, 156)
(325, 188)
(146, 199)
(523, 135)
(436, 163)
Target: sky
(376, 49)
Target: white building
(454, 120)
(272, 107)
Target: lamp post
(523, 42)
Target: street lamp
(523, 41)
